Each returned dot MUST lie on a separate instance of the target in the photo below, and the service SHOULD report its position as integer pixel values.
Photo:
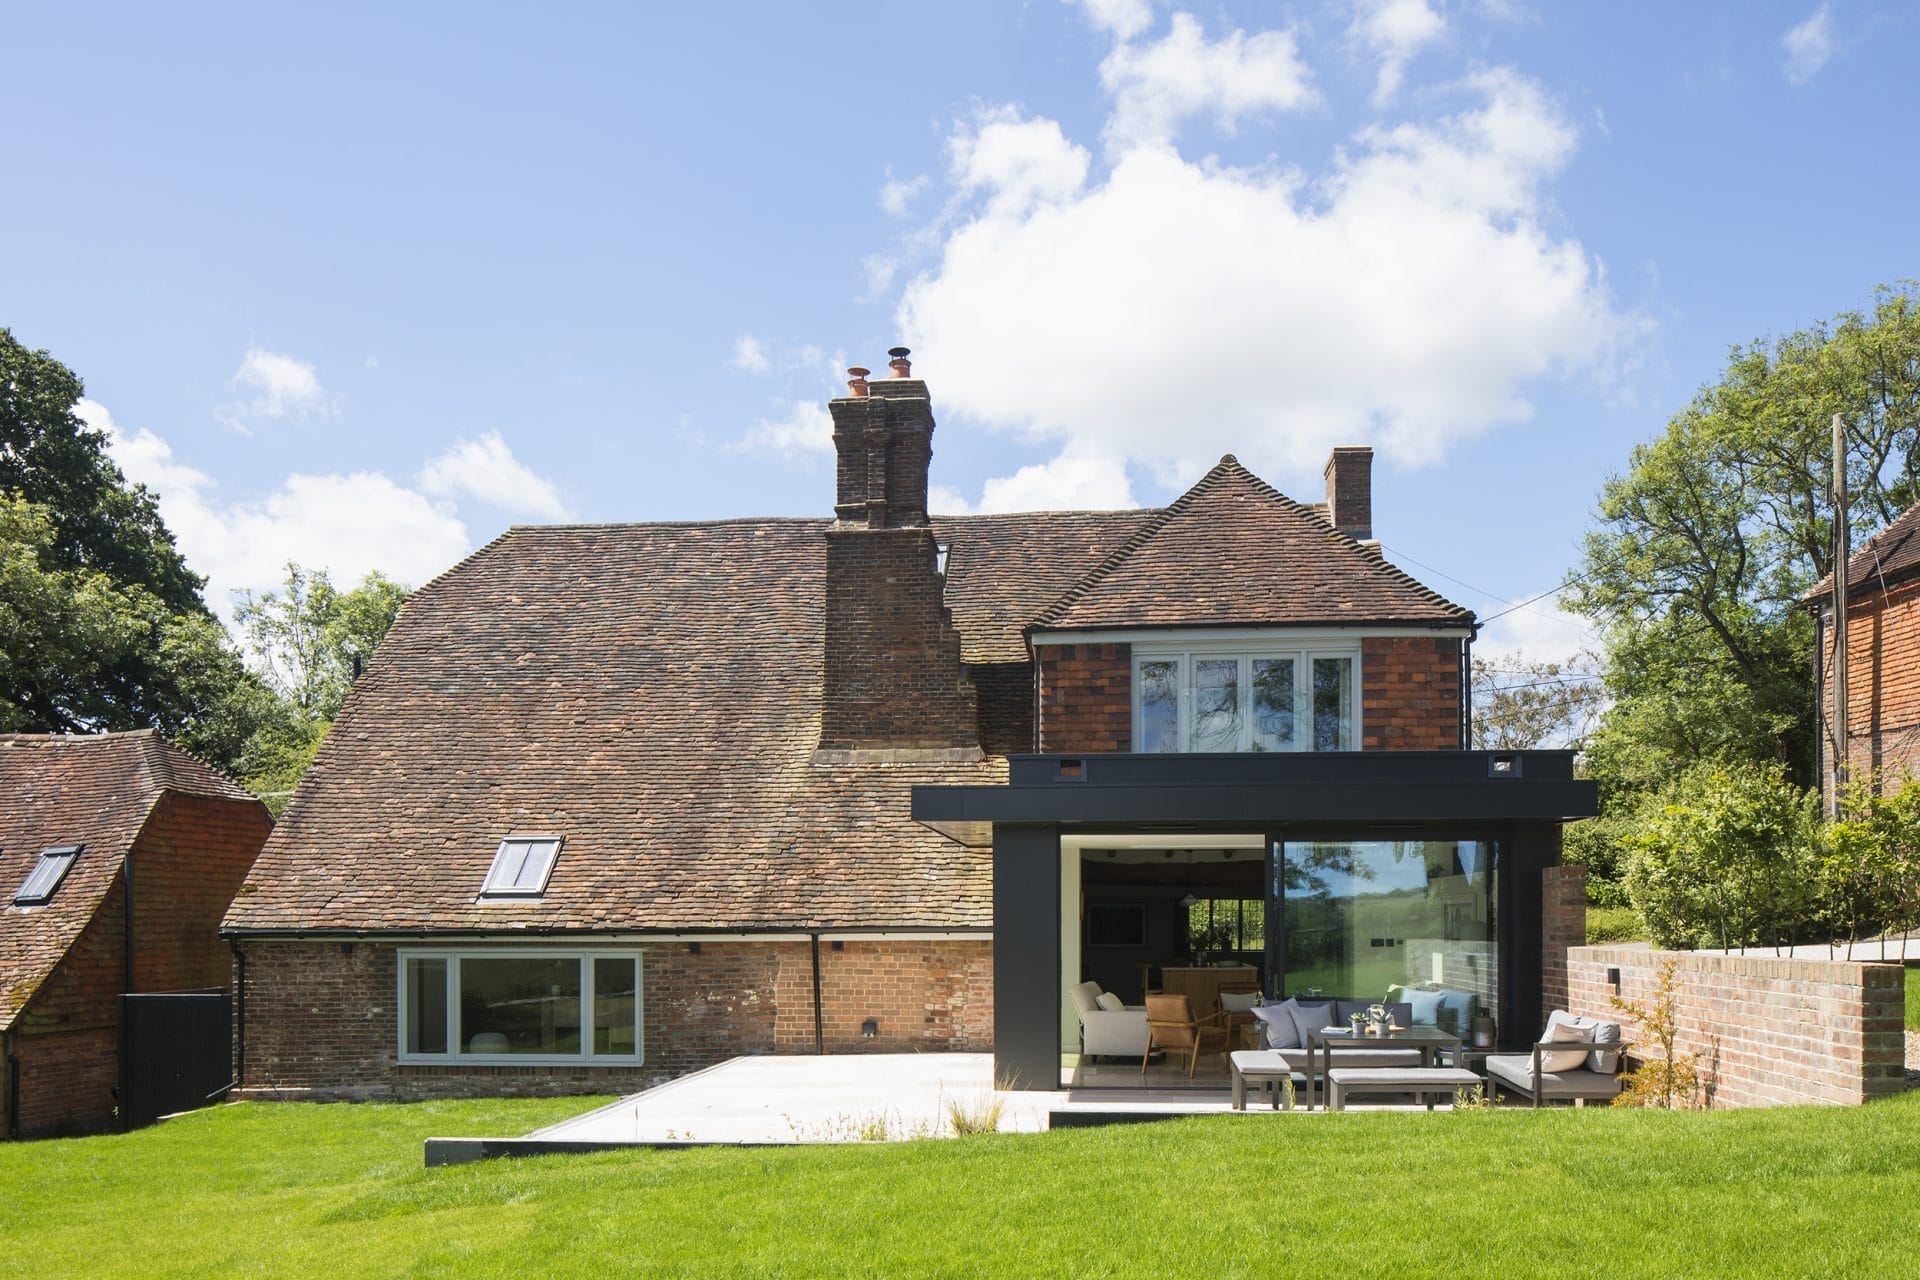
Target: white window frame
(586, 1057)
(1302, 653)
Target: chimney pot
(1350, 491)
(898, 362)
(857, 382)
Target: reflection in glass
(426, 1030)
(1363, 916)
(614, 992)
(1273, 704)
(1216, 704)
(1332, 703)
(520, 1004)
(1160, 706)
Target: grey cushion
(1516, 1071)
(1311, 1019)
(1600, 1033)
(1238, 1001)
(1110, 1002)
(1424, 1007)
(1277, 1021)
(1456, 1010)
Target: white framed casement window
(1236, 698)
(508, 1005)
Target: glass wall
(1363, 919)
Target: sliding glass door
(1353, 918)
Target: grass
(338, 1191)
(1913, 999)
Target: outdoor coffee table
(1428, 1040)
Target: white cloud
(748, 355)
(1809, 46)
(280, 386)
(1124, 19)
(347, 524)
(1394, 30)
(1157, 87)
(897, 195)
(1070, 482)
(1535, 629)
(807, 429)
(1172, 311)
(486, 469)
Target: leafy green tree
(1716, 529)
(308, 641)
(1521, 703)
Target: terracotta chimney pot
(857, 382)
(898, 362)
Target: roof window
(46, 875)
(521, 867)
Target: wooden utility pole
(1842, 547)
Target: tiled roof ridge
(568, 526)
(157, 756)
(1230, 467)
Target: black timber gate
(176, 1053)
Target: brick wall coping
(1862, 973)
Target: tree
(308, 642)
(101, 622)
(1709, 539)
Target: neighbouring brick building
(616, 802)
(119, 853)
(1883, 659)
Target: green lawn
(339, 1191)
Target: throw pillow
(1110, 1002)
(1563, 1059)
(1603, 1060)
(1425, 1006)
(1310, 1020)
(1280, 1028)
(1238, 1001)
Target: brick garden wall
(1410, 693)
(1768, 1030)
(321, 1017)
(1085, 697)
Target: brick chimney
(894, 679)
(1350, 491)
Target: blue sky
(360, 289)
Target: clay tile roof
(1233, 551)
(1889, 556)
(649, 692)
(95, 790)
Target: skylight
(46, 875)
(521, 867)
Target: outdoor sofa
(1576, 1060)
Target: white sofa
(1107, 1031)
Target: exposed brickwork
(1883, 687)
(321, 1017)
(1410, 693)
(1349, 475)
(1085, 697)
(1563, 926)
(1768, 1031)
(1006, 706)
(66, 1081)
(191, 859)
(893, 671)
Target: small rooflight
(46, 875)
(521, 866)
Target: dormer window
(521, 867)
(46, 875)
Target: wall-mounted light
(870, 1028)
(1188, 901)
(693, 948)
(1613, 979)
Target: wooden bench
(1418, 1081)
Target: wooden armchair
(1171, 1026)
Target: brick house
(617, 802)
(1883, 659)
(119, 853)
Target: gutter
(875, 933)
(239, 1013)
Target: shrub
(1673, 1079)
(1723, 858)
(1614, 924)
